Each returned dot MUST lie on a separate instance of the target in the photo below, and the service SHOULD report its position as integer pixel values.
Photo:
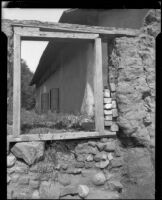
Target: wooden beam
(26, 33)
(59, 136)
(16, 86)
(79, 28)
(98, 86)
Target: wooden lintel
(59, 136)
(80, 28)
(29, 29)
(28, 33)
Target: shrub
(30, 120)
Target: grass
(31, 122)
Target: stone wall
(66, 169)
(76, 169)
(110, 109)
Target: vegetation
(27, 91)
(31, 122)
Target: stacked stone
(110, 108)
(95, 164)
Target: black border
(95, 4)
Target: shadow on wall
(74, 78)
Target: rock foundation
(73, 168)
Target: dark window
(44, 102)
(54, 100)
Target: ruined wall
(132, 68)
(75, 169)
(121, 167)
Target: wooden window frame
(24, 32)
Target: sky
(31, 51)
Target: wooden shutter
(44, 102)
(54, 99)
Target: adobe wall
(74, 78)
(132, 69)
(122, 18)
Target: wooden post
(16, 85)
(98, 87)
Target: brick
(106, 93)
(108, 117)
(113, 104)
(106, 90)
(107, 100)
(108, 106)
(114, 112)
(108, 123)
(108, 112)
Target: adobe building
(100, 63)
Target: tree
(27, 91)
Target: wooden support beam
(79, 28)
(42, 34)
(98, 86)
(16, 86)
(59, 136)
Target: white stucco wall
(74, 79)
